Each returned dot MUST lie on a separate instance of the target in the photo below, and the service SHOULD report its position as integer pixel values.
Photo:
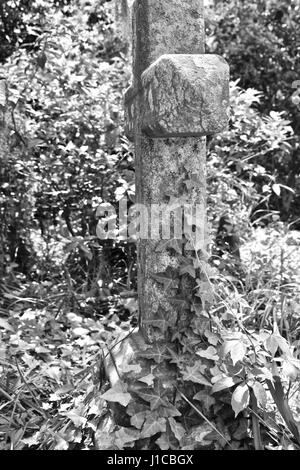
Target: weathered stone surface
(160, 27)
(161, 172)
(182, 96)
(165, 27)
(178, 96)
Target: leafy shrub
(259, 40)
(68, 92)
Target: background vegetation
(65, 294)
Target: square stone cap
(180, 95)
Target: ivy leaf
(148, 379)
(205, 292)
(166, 278)
(236, 348)
(260, 394)
(205, 398)
(272, 344)
(209, 353)
(192, 374)
(35, 143)
(177, 429)
(167, 441)
(118, 394)
(54, 372)
(125, 437)
(169, 411)
(138, 420)
(276, 340)
(154, 397)
(104, 440)
(212, 337)
(276, 189)
(61, 444)
(242, 431)
(234, 370)
(179, 303)
(240, 398)
(134, 408)
(163, 442)
(198, 435)
(224, 382)
(263, 373)
(152, 426)
(238, 352)
(157, 352)
(188, 269)
(173, 243)
(175, 358)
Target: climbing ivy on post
(179, 96)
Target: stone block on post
(182, 95)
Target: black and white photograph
(149, 228)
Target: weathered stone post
(179, 95)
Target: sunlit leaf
(126, 437)
(79, 331)
(260, 394)
(209, 353)
(177, 429)
(276, 189)
(148, 379)
(193, 374)
(240, 398)
(154, 397)
(61, 444)
(223, 383)
(236, 348)
(152, 426)
(167, 441)
(138, 419)
(117, 394)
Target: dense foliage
(66, 295)
(260, 41)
